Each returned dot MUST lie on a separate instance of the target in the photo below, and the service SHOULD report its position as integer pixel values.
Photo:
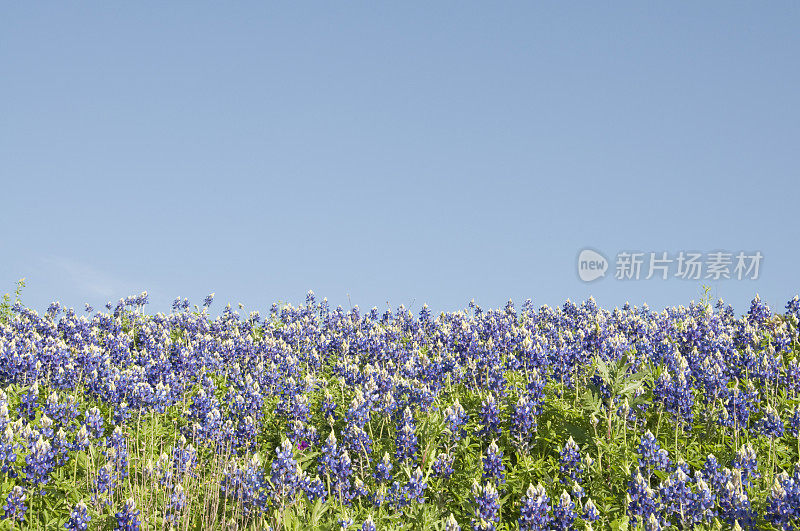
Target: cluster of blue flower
(362, 412)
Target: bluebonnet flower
(443, 466)
(329, 407)
(105, 483)
(340, 479)
(5, 419)
(793, 307)
(208, 300)
(564, 513)
(523, 424)
(128, 517)
(301, 432)
(184, 458)
(414, 490)
(383, 470)
(703, 502)
(284, 477)
(653, 524)
(783, 503)
(485, 507)
(357, 441)
(8, 456)
(535, 510)
(770, 424)
(745, 461)
(247, 484)
(380, 496)
(117, 464)
(94, 423)
(451, 524)
(54, 309)
(794, 422)
(15, 507)
(117, 453)
(368, 525)
(355, 438)
(738, 406)
(425, 314)
(396, 495)
(246, 432)
(61, 448)
(122, 413)
(651, 455)
(493, 464)
(39, 463)
(792, 379)
(590, 512)
(81, 441)
(29, 402)
(142, 299)
(46, 426)
(314, 489)
(676, 495)
(713, 474)
(642, 502)
(329, 455)
(30, 436)
(177, 502)
(676, 394)
(79, 518)
(406, 443)
(578, 492)
(535, 392)
(489, 417)
(759, 311)
(570, 459)
(360, 490)
(734, 503)
(456, 419)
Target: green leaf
(620, 524)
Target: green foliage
(6, 305)
(592, 409)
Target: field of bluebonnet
(316, 417)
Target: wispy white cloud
(87, 278)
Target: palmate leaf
(629, 388)
(291, 520)
(591, 401)
(602, 368)
(620, 524)
(317, 511)
(642, 399)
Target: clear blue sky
(412, 152)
